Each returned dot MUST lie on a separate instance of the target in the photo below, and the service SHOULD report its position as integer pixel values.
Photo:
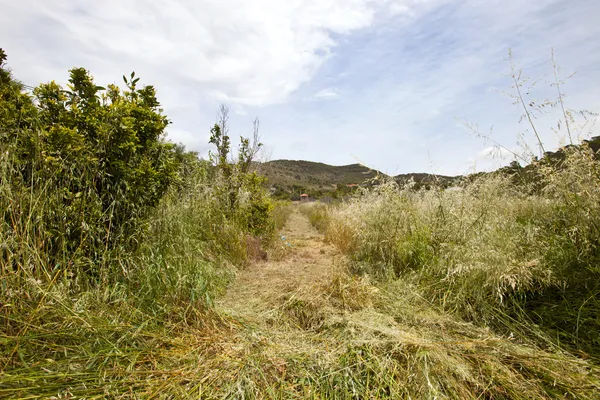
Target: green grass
(524, 264)
(488, 292)
(126, 329)
(402, 325)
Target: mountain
(314, 175)
(289, 178)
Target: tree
(238, 181)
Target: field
(130, 268)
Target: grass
(281, 214)
(490, 291)
(126, 331)
(316, 213)
(348, 336)
(523, 264)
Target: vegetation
(288, 179)
(130, 268)
(114, 242)
(524, 264)
(515, 250)
(291, 178)
(313, 174)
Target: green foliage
(255, 211)
(111, 238)
(83, 167)
(187, 256)
(243, 196)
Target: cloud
(406, 68)
(495, 152)
(237, 51)
(327, 94)
(488, 159)
(451, 59)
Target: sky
(385, 83)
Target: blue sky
(381, 82)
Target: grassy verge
(281, 214)
(522, 263)
(131, 333)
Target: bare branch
(223, 119)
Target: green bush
(112, 240)
(82, 166)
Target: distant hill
(315, 175)
(288, 178)
(421, 179)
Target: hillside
(290, 177)
(315, 175)
(422, 179)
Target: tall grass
(281, 213)
(491, 251)
(67, 331)
(316, 213)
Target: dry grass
(521, 261)
(327, 334)
(301, 327)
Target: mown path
(298, 312)
(306, 263)
(298, 325)
(283, 302)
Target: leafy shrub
(82, 167)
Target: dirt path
(305, 263)
(300, 326)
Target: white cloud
(238, 51)
(495, 152)
(487, 159)
(327, 94)
(405, 68)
